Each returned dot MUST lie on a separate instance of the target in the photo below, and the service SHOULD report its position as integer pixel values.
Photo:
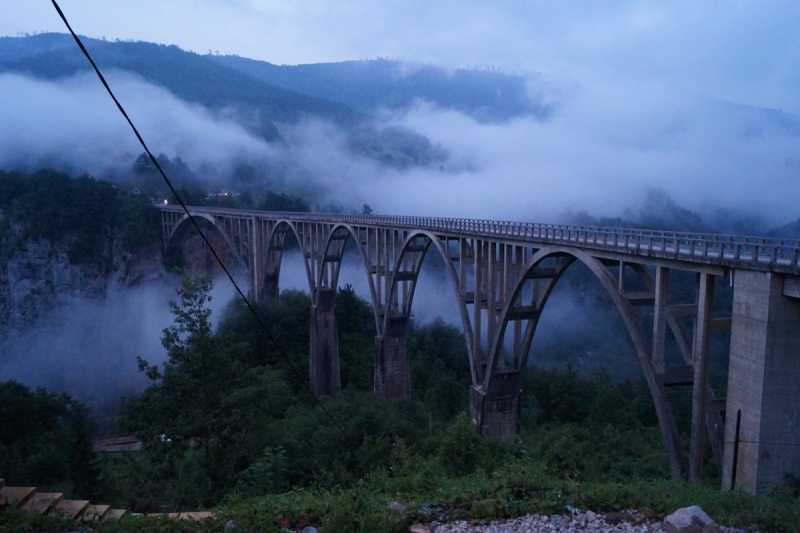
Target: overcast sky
(746, 52)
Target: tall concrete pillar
(269, 288)
(392, 365)
(324, 347)
(763, 383)
(495, 413)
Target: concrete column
(392, 366)
(700, 356)
(764, 383)
(323, 364)
(495, 413)
(269, 288)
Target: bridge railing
(684, 245)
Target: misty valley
(104, 334)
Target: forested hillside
(383, 83)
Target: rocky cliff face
(38, 277)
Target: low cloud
(73, 125)
(600, 151)
(88, 348)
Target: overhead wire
(194, 223)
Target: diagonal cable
(191, 218)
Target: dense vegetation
(84, 214)
(89, 217)
(229, 423)
(45, 440)
(384, 83)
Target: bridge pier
(392, 367)
(496, 413)
(323, 364)
(763, 382)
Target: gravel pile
(622, 522)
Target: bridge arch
(270, 266)
(501, 385)
(332, 256)
(179, 229)
(392, 364)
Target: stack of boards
(31, 500)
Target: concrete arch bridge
(502, 274)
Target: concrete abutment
(763, 384)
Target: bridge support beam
(496, 413)
(323, 362)
(763, 383)
(392, 366)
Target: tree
(46, 441)
(197, 368)
(208, 415)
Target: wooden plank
(117, 444)
(41, 502)
(96, 512)
(16, 496)
(196, 515)
(115, 514)
(71, 509)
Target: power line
(191, 219)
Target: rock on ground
(690, 520)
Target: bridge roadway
(502, 274)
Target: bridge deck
(741, 252)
